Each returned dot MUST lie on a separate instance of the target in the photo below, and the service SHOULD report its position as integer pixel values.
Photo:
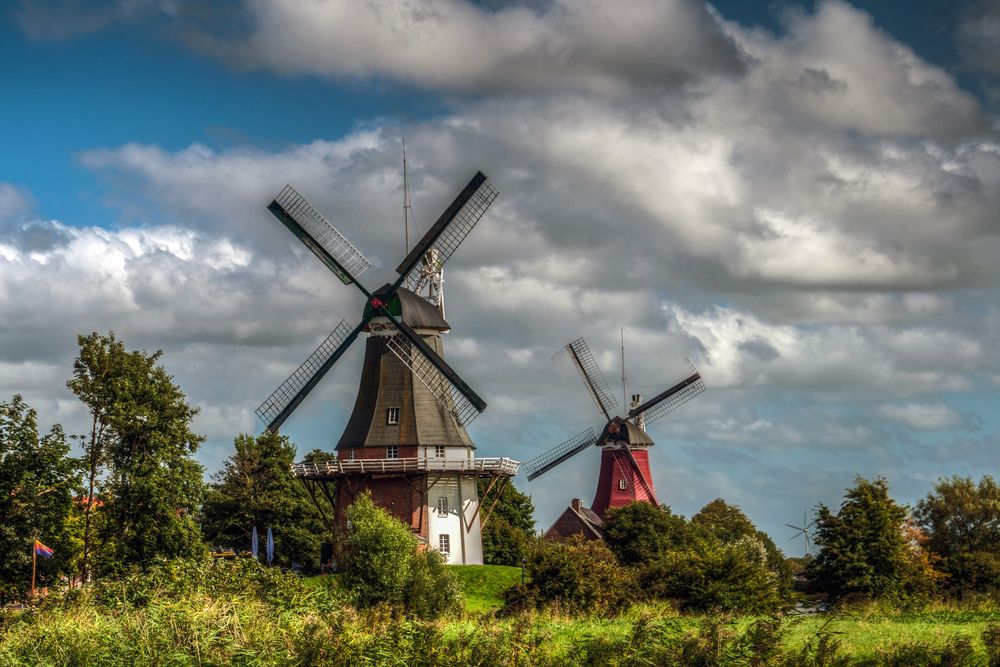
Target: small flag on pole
(42, 550)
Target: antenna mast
(406, 203)
(624, 391)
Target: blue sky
(800, 197)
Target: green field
(305, 625)
(483, 585)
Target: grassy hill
(484, 585)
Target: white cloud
(456, 44)
(922, 416)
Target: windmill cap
(415, 310)
(624, 431)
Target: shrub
(384, 566)
(712, 575)
(577, 576)
(641, 532)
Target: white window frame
(392, 416)
(350, 454)
(444, 544)
(622, 484)
(392, 452)
(442, 506)
(439, 451)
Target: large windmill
(405, 441)
(625, 475)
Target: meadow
(284, 621)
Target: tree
(37, 484)
(962, 522)
(728, 524)
(862, 550)
(640, 532)
(508, 534)
(383, 564)
(152, 485)
(256, 488)
(95, 377)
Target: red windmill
(624, 443)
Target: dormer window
(392, 416)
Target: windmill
(406, 436)
(625, 475)
(803, 530)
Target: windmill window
(444, 544)
(392, 416)
(392, 452)
(622, 484)
(439, 451)
(442, 506)
(350, 454)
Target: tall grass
(193, 614)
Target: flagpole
(34, 561)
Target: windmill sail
(642, 477)
(597, 385)
(347, 262)
(316, 232)
(290, 393)
(560, 453)
(444, 392)
(666, 402)
(450, 229)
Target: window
(350, 454)
(444, 544)
(439, 451)
(392, 452)
(622, 484)
(392, 416)
(442, 506)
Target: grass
(483, 585)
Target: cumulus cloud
(456, 44)
(811, 218)
(922, 416)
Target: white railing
(339, 467)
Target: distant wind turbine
(803, 530)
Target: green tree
(152, 485)
(383, 564)
(962, 521)
(640, 532)
(38, 481)
(510, 531)
(97, 373)
(256, 488)
(728, 524)
(862, 550)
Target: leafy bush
(383, 565)
(641, 532)
(713, 575)
(577, 577)
(175, 580)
